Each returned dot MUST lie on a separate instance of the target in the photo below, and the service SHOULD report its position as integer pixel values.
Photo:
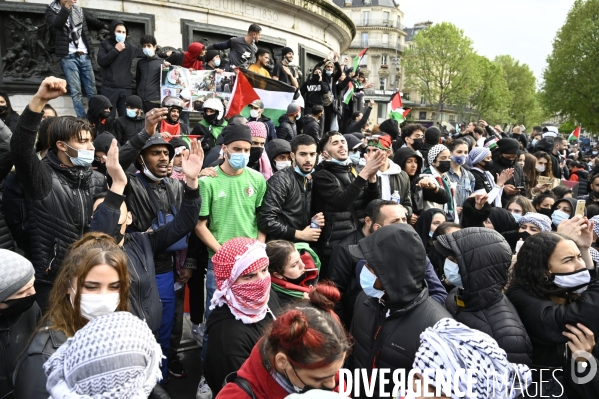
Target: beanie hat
(257, 129)
(112, 356)
(15, 272)
(434, 151)
(292, 108)
(286, 50)
(391, 127)
(210, 54)
(508, 146)
(233, 133)
(432, 135)
(541, 221)
(134, 101)
(477, 155)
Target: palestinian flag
(358, 58)
(250, 86)
(575, 135)
(396, 110)
(349, 93)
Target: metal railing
(377, 23)
(377, 44)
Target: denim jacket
(465, 184)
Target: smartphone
(580, 205)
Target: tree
(521, 83)
(492, 99)
(571, 87)
(441, 64)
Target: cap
(134, 101)
(233, 133)
(286, 50)
(156, 140)
(292, 108)
(258, 104)
(210, 54)
(177, 142)
(353, 142)
(442, 246)
(15, 272)
(508, 146)
(257, 129)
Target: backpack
(241, 383)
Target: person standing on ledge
(242, 48)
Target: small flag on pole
(396, 110)
(349, 93)
(575, 135)
(358, 58)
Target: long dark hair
(9, 109)
(532, 264)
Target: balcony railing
(377, 23)
(377, 44)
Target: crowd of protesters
(309, 244)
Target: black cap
(233, 133)
(442, 246)
(177, 142)
(156, 140)
(286, 50)
(210, 54)
(134, 101)
(508, 146)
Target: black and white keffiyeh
(451, 345)
(74, 24)
(113, 356)
(434, 151)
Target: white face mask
(96, 305)
(254, 113)
(573, 279)
(540, 168)
(282, 164)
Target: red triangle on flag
(243, 95)
(396, 102)
(362, 52)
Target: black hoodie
(116, 65)
(97, 105)
(419, 195)
(483, 257)
(387, 332)
(126, 128)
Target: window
(364, 42)
(422, 101)
(367, 2)
(406, 96)
(385, 17)
(365, 18)
(452, 118)
(381, 112)
(385, 38)
(384, 59)
(382, 83)
(422, 115)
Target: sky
(523, 29)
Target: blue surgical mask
(559, 216)
(149, 52)
(367, 280)
(329, 72)
(239, 160)
(338, 162)
(216, 62)
(517, 216)
(461, 160)
(534, 142)
(452, 273)
(355, 157)
(84, 157)
(299, 172)
(430, 234)
(120, 37)
(131, 113)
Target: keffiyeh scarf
(75, 22)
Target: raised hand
(192, 165)
(49, 89)
(114, 169)
(153, 117)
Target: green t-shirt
(231, 203)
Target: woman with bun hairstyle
(293, 269)
(302, 350)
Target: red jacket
(263, 385)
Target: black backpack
(241, 383)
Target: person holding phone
(505, 158)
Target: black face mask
(255, 154)
(17, 306)
(118, 236)
(105, 114)
(508, 163)
(444, 166)
(488, 166)
(100, 167)
(315, 77)
(3, 109)
(211, 119)
(296, 281)
(546, 211)
(417, 144)
(307, 387)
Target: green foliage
(492, 99)
(567, 127)
(571, 87)
(521, 83)
(442, 65)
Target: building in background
(379, 26)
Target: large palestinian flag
(250, 86)
(396, 110)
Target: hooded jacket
(399, 181)
(116, 65)
(275, 148)
(483, 257)
(387, 331)
(97, 105)
(342, 196)
(312, 128)
(286, 129)
(58, 199)
(313, 91)
(232, 341)
(287, 205)
(126, 128)
(418, 195)
(582, 177)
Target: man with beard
(170, 126)
(283, 70)
(286, 210)
(262, 60)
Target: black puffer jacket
(126, 128)
(484, 258)
(286, 206)
(342, 198)
(116, 65)
(141, 249)
(58, 199)
(312, 128)
(286, 129)
(6, 240)
(392, 342)
(58, 23)
(583, 182)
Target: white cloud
(523, 29)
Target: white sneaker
(204, 391)
(197, 332)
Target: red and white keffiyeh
(237, 257)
